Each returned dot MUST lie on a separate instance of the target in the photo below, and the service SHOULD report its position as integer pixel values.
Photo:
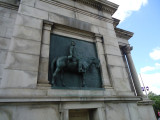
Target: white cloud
(147, 68)
(126, 7)
(152, 81)
(155, 54)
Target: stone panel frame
(59, 29)
(99, 108)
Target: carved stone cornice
(78, 10)
(127, 49)
(115, 22)
(101, 5)
(123, 33)
(9, 6)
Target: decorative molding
(101, 5)
(9, 6)
(115, 22)
(72, 8)
(123, 33)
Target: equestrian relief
(72, 63)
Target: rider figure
(74, 58)
(72, 52)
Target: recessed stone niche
(82, 114)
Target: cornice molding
(81, 11)
(115, 22)
(123, 33)
(9, 6)
(101, 5)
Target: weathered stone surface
(100, 48)
(110, 40)
(91, 20)
(122, 40)
(146, 112)
(43, 78)
(27, 33)
(46, 37)
(28, 21)
(45, 51)
(104, 71)
(22, 92)
(54, 9)
(3, 55)
(29, 112)
(117, 111)
(25, 46)
(20, 61)
(115, 60)
(106, 31)
(112, 50)
(28, 2)
(69, 22)
(1, 70)
(19, 79)
(44, 63)
(9, 32)
(30, 11)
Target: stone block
(28, 2)
(27, 33)
(133, 110)
(146, 112)
(3, 31)
(69, 22)
(7, 21)
(91, 20)
(107, 32)
(100, 48)
(45, 51)
(121, 84)
(54, 9)
(44, 63)
(117, 72)
(33, 12)
(122, 40)
(117, 111)
(19, 79)
(9, 32)
(104, 71)
(109, 40)
(28, 21)
(20, 61)
(112, 50)
(46, 37)
(22, 92)
(115, 60)
(4, 43)
(25, 46)
(1, 70)
(43, 78)
(3, 56)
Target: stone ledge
(69, 99)
(40, 95)
(123, 33)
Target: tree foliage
(156, 99)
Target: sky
(142, 17)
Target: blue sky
(143, 18)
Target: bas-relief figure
(72, 63)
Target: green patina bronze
(72, 65)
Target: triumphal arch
(67, 60)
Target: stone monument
(67, 60)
